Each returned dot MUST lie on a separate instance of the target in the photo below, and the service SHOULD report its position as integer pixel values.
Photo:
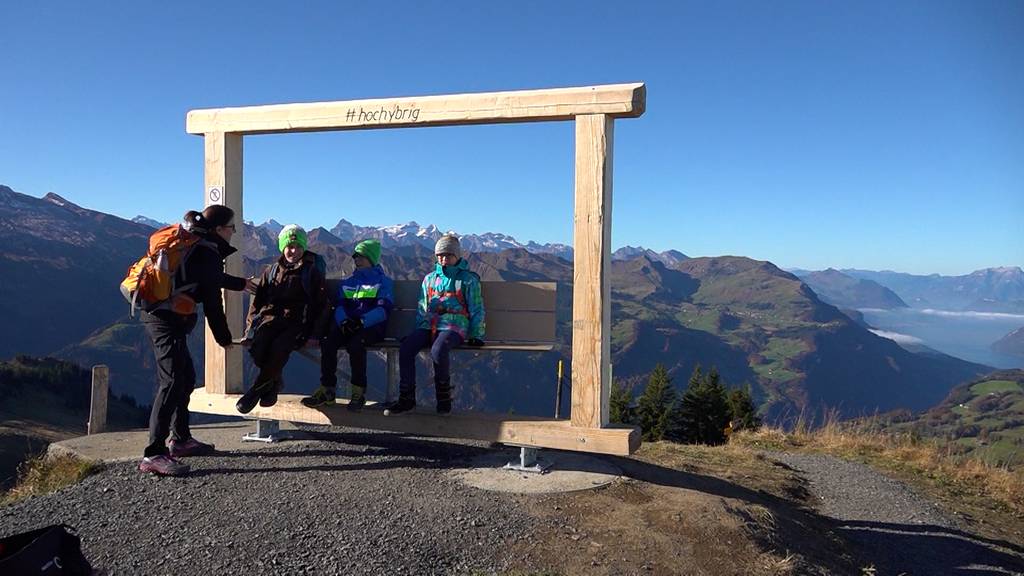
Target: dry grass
(45, 474)
(905, 453)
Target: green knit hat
(292, 234)
(370, 249)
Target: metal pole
(98, 404)
(558, 392)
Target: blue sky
(874, 135)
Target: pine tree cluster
(705, 413)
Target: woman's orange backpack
(152, 278)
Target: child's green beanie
(370, 249)
(292, 234)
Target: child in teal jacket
(450, 313)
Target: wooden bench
(520, 317)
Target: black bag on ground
(47, 551)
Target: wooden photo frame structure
(593, 109)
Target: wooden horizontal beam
(516, 430)
(614, 100)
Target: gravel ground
(897, 531)
(347, 502)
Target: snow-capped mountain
(148, 222)
(412, 234)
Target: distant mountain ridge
(413, 234)
(1012, 343)
(148, 222)
(60, 265)
(998, 289)
(845, 291)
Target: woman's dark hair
(212, 216)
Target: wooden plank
(539, 296)
(500, 295)
(407, 293)
(223, 177)
(591, 298)
(615, 100)
(391, 344)
(98, 404)
(392, 375)
(501, 325)
(517, 430)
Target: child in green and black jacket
(288, 309)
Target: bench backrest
(515, 312)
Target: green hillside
(983, 418)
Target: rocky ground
(358, 502)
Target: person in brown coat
(288, 309)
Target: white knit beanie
(448, 244)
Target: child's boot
(358, 400)
(444, 397)
(406, 402)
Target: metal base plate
(266, 431)
(529, 462)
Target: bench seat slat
(514, 429)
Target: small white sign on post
(215, 195)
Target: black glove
(474, 342)
(351, 326)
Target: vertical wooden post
(392, 376)
(98, 404)
(591, 294)
(223, 373)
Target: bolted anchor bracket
(528, 462)
(266, 431)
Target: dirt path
(357, 502)
(895, 530)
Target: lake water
(966, 335)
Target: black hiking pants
(355, 345)
(176, 377)
(273, 343)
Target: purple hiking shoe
(163, 466)
(190, 447)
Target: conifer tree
(742, 411)
(620, 411)
(655, 405)
(703, 409)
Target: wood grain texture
(614, 100)
(98, 403)
(223, 178)
(591, 298)
(516, 430)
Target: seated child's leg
(411, 346)
(329, 357)
(440, 354)
(277, 354)
(264, 337)
(356, 348)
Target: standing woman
(169, 332)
